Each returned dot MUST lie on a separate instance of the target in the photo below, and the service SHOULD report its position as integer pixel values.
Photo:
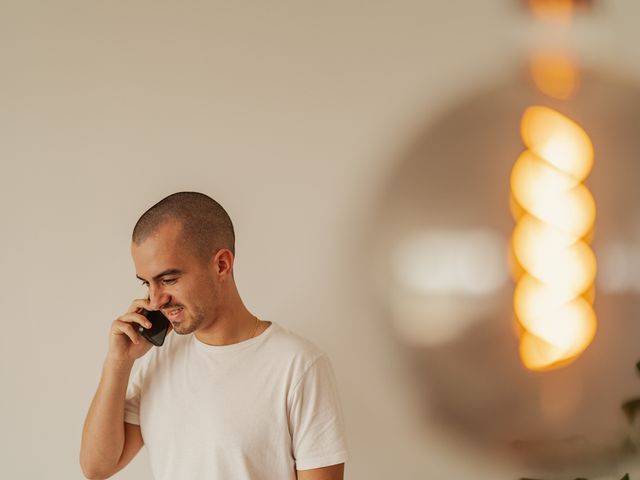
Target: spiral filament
(554, 266)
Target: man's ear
(222, 262)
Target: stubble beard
(185, 327)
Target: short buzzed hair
(206, 226)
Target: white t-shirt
(258, 409)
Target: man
(228, 396)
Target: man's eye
(169, 281)
(145, 284)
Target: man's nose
(157, 298)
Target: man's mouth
(173, 313)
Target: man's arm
(108, 443)
(106, 439)
(334, 472)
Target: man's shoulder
(291, 345)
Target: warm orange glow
(554, 198)
(555, 267)
(559, 141)
(559, 11)
(555, 75)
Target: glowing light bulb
(555, 266)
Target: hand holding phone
(158, 330)
(125, 343)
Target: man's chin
(181, 329)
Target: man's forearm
(103, 432)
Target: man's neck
(227, 330)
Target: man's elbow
(89, 476)
(94, 472)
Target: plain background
(289, 113)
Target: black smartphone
(159, 327)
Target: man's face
(176, 280)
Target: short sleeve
(132, 398)
(316, 420)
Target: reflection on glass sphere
(444, 225)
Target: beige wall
(288, 113)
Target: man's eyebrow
(170, 271)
